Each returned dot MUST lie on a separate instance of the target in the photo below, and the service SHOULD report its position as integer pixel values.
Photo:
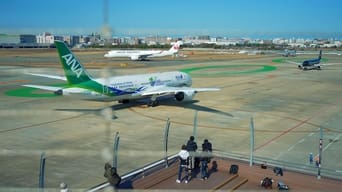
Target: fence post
(320, 153)
(251, 143)
(116, 148)
(166, 138)
(42, 171)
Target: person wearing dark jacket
(191, 147)
(110, 173)
(205, 158)
(191, 144)
(206, 146)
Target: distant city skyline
(229, 18)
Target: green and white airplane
(119, 88)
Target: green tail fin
(74, 70)
(76, 74)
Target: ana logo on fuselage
(74, 65)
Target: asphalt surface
(76, 135)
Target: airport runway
(288, 107)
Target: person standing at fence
(191, 147)
(207, 146)
(183, 164)
(205, 158)
(64, 187)
(317, 160)
(311, 158)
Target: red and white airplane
(144, 54)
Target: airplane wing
(49, 76)
(292, 62)
(142, 56)
(174, 90)
(61, 90)
(52, 88)
(331, 64)
(147, 54)
(43, 87)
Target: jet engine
(185, 96)
(64, 92)
(59, 92)
(75, 90)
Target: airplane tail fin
(320, 54)
(74, 70)
(175, 47)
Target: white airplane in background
(289, 53)
(144, 54)
(119, 88)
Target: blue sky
(174, 17)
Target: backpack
(267, 182)
(233, 169)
